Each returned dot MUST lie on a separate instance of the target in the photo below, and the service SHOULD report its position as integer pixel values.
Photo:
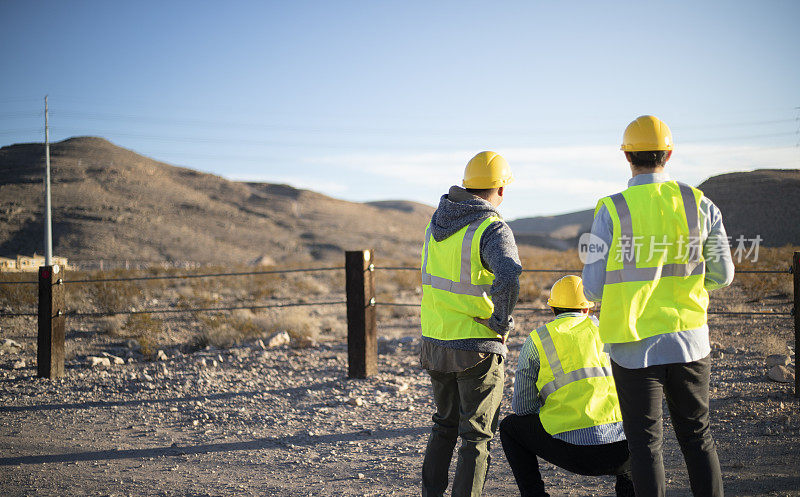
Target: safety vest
(456, 285)
(655, 269)
(575, 383)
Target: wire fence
(322, 303)
(567, 271)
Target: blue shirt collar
(646, 179)
(571, 315)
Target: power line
(372, 130)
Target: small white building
(25, 263)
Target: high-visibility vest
(456, 285)
(575, 383)
(655, 269)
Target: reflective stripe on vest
(630, 272)
(641, 302)
(585, 396)
(464, 286)
(562, 379)
(456, 285)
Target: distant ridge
(113, 204)
(762, 203)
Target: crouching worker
(565, 402)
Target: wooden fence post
(796, 314)
(50, 340)
(362, 339)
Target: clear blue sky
(377, 100)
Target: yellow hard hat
(567, 293)
(646, 133)
(487, 170)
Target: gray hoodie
(498, 253)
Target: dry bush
(221, 336)
(529, 289)
(301, 327)
(334, 325)
(190, 296)
(146, 329)
(406, 280)
(536, 286)
(305, 285)
(112, 296)
(758, 286)
(261, 286)
(111, 325)
(224, 330)
(18, 297)
(388, 310)
(770, 344)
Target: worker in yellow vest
(665, 247)
(565, 404)
(470, 284)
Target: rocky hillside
(761, 202)
(112, 204)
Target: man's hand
(485, 322)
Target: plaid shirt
(526, 400)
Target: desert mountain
(112, 204)
(760, 202)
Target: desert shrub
(111, 296)
(305, 285)
(221, 336)
(770, 344)
(302, 327)
(224, 330)
(405, 280)
(19, 297)
(146, 330)
(386, 308)
(529, 289)
(334, 325)
(759, 285)
(536, 286)
(262, 286)
(111, 325)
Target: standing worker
(565, 404)
(470, 284)
(666, 248)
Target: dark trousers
(467, 406)
(524, 438)
(685, 386)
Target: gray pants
(467, 406)
(685, 386)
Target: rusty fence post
(796, 314)
(362, 339)
(50, 340)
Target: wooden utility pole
(362, 339)
(50, 340)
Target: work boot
(624, 486)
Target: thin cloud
(548, 180)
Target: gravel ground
(250, 420)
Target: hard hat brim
(486, 183)
(581, 305)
